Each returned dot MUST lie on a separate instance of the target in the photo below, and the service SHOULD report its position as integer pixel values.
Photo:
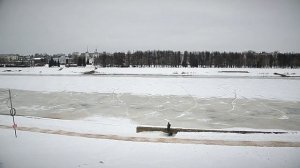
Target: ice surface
(181, 111)
(213, 102)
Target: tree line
(158, 58)
(54, 63)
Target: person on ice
(169, 129)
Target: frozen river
(185, 102)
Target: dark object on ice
(176, 130)
(282, 75)
(286, 75)
(169, 129)
(8, 70)
(89, 72)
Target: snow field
(249, 88)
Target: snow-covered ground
(35, 150)
(58, 149)
(71, 119)
(250, 88)
(195, 72)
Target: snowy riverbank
(54, 148)
(71, 119)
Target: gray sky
(64, 26)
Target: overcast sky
(64, 26)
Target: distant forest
(198, 59)
(158, 58)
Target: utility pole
(13, 113)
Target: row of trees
(198, 59)
(159, 59)
(54, 63)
